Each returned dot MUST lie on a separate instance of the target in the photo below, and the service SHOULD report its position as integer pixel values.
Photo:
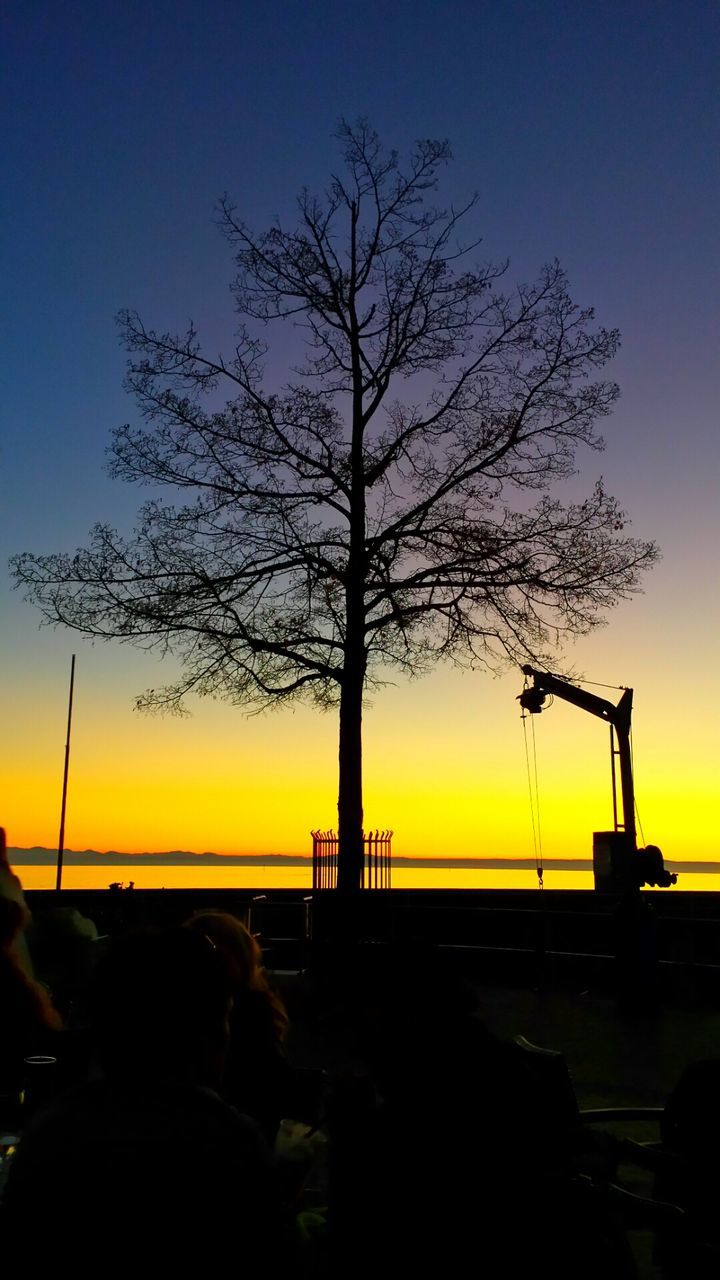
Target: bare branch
(373, 514)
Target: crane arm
(544, 683)
(647, 864)
(617, 716)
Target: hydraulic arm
(618, 717)
(616, 859)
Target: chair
(595, 1162)
(683, 1160)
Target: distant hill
(40, 857)
(182, 857)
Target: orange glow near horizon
(444, 768)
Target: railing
(377, 859)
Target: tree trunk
(350, 798)
(351, 849)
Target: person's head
(160, 1004)
(239, 950)
(242, 958)
(64, 951)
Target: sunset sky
(590, 132)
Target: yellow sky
(444, 759)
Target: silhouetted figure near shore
(258, 1079)
(149, 1144)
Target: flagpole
(61, 837)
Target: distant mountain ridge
(38, 856)
(41, 857)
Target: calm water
(239, 876)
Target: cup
(39, 1082)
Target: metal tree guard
(377, 846)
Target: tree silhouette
(357, 521)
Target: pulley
(532, 700)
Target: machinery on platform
(618, 865)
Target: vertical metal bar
(614, 782)
(376, 857)
(61, 837)
(375, 861)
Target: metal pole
(614, 782)
(61, 837)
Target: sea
(271, 876)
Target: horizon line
(180, 857)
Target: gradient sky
(590, 132)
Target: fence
(377, 858)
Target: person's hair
(242, 958)
(159, 1001)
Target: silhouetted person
(63, 947)
(149, 1144)
(11, 891)
(449, 1167)
(258, 1079)
(29, 1022)
(690, 1130)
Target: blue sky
(590, 132)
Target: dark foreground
(544, 967)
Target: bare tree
(356, 520)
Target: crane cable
(534, 800)
(632, 766)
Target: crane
(617, 861)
